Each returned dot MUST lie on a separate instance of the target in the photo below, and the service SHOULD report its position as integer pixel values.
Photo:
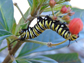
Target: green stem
(8, 44)
(3, 48)
(12, 52)
(38, 42)
(58, 13)
(33, 8)
(50, 44)
(52, 11)
(20, 11)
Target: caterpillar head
(22, 34)
(74, 37)
(22, 31)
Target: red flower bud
(64, 9)
(66, 17)
(54, 17)
(68, 9)
(75, 25)
(71, 13)
(52, 3)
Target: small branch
(8, 44)
(40, 15)
(58, 13)
(33, 12)
(38, 42)
(52, 11)
(20, 11)
(50, 44)
(29, 19)
(12, 52)
(45, 4)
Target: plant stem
(45, 4)
(8, 44)
(33, 12)
(38, 42)
(52, 11)
(50, 44)
(3, 48)
(12, 52)
(20, 11)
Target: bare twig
(20, 11)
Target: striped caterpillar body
(46, 23)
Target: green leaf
(14, 27)
(23, 61)
(0, 42)
(57, 7)
(3, 48)
(30, 2)
(45, 2)
(36, 59)
(6, 14)
(65, 58)
(4, 34)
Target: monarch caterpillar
(46, 23)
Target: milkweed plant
(60, 11)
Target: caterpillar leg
(48, 18)
(69, 43)
(76, 41)
(39, 18)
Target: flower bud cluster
(75, 25)
(65, 9)
(69, 12)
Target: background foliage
(9, 28)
